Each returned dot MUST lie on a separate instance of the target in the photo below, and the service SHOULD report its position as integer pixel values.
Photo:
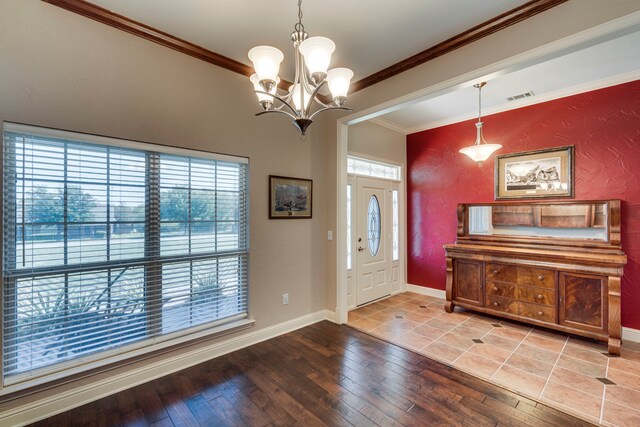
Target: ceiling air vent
(520, 96)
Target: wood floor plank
(321, 375)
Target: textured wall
(604, 126)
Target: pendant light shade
(480, 151)
(266, 61)
(339, 80)
(317, 54)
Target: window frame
(151, 342)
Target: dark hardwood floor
(324, 374)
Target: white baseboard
(422, 290)
(628, 334)
(35, 410)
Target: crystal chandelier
(303, 101)
(480, 151)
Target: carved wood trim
(476, 33)
(121, 22)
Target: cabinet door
(468, 282)
(583, 302)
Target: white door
(371, 246)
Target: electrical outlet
(285, 299)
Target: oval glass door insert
(373, 225)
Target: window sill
(66, 381)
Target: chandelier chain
(299, 27)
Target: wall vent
(520, 96)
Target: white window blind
(108, 248)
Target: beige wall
(61, 70)
(373, 141)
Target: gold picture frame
(546, 173)
(290, 198)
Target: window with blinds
(111, 246)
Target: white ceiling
(370, 35)
(602, 65)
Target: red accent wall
(604, 126)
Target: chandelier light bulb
(266, 61)
(295, 96)
(317, 54)
(339, 80)
(262, 98)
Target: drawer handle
(495, 271)
(496, 304)
(540, 313)
(495, 289)
(541, 277)
(540, 296)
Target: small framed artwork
(290, 198)
(535, 174)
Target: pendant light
(312, 57)
(480, 151)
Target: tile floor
(569, 373)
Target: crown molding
(476, 33)
(389, 125)
(123, 23)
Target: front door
(371, 246)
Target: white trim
(18, 415)
(386, 123)
(537, 99)
(423, 290)
(341, 222)
(117, 142)
(629, 334)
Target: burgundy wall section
(604, 126)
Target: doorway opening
(374, 267)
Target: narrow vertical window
(349, 231)
(395, 238)
(373, 225)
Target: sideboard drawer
(538, 312)
(506, 305)
(506, 290)
(520, 275)
(537, 295)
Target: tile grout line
(467, 350)
(604, 392)
(512, 353)
(554, 367)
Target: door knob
(360, 249)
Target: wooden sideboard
(552, 264)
